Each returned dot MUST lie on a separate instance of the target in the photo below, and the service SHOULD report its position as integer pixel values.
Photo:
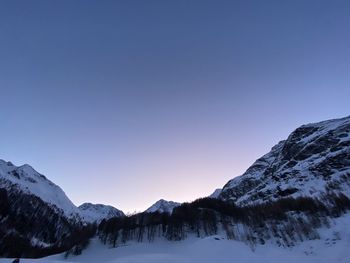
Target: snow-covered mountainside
(312, 161)
(163, 206)
(285, 198)
(25, 179)
(37, 218)
(216, 193)
(97, 212)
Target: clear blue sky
(127, 102)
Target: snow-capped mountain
(216, 193)
(26, 180)
(97, 212)
(313, 160)
(287, 197)
(37, 218)
(312, 166)
(163, 206)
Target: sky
(127, 102)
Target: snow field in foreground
(333, 246)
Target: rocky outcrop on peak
(312, 161)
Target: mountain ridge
(37, 218)
(303, 183)
(313, 160)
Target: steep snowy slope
(216, 193)
(25, 179)
(315, 159)
(162, 206)
(97, 212)
(37, 218)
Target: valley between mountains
(290, 205)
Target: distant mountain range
(285, 197)
(37, 218)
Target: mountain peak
(24, 178)
(313, 160)
(96, 212)
(163, 206)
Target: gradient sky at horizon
(127, 102)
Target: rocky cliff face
(312, 161)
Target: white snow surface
(333, 246)
(163, 206)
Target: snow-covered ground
(333, 246)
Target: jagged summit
(163, 206)
(313, 160)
